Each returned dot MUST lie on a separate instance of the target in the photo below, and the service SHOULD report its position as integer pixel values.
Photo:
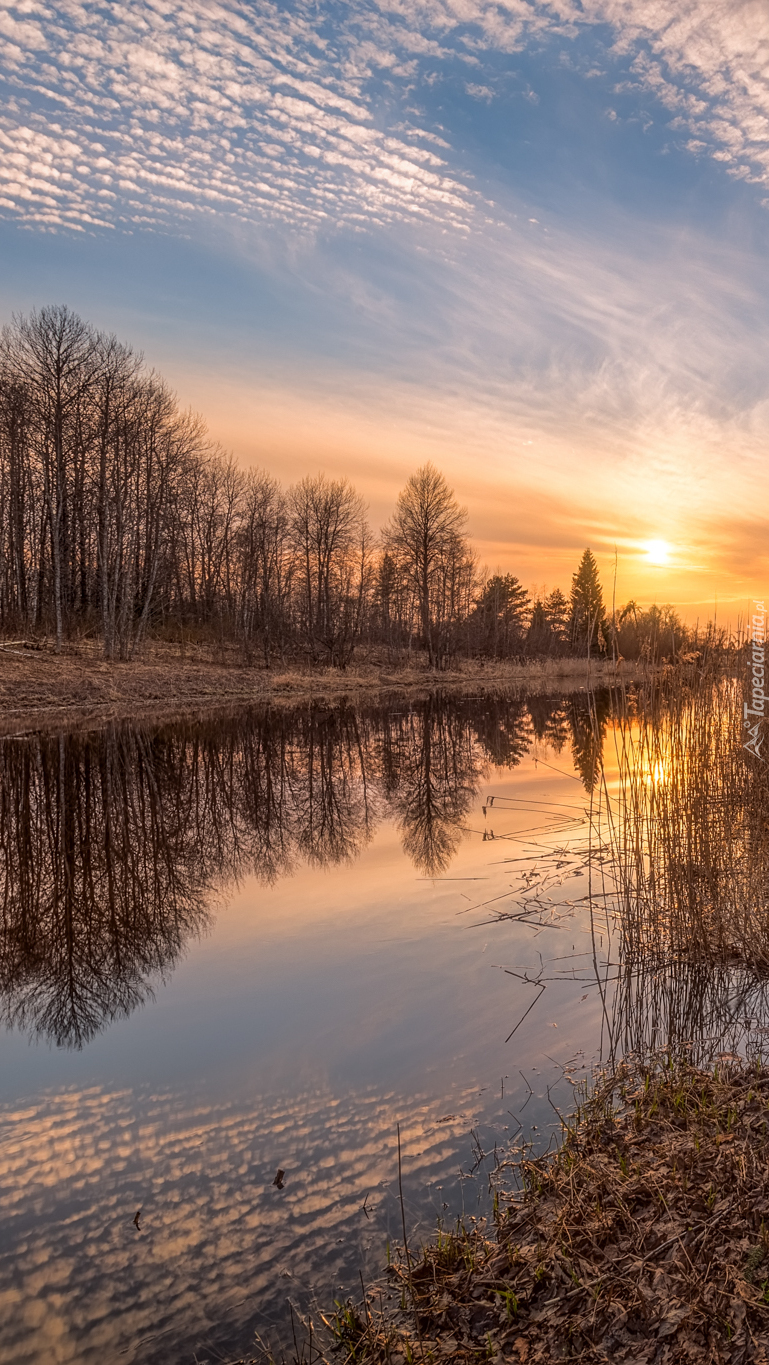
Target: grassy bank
(39, 689)
(644, 1238)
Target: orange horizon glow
(533, 506)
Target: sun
(657, 552)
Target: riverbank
(645, 1238)
(42, 690)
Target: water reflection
(78, 1281)
(115, 847)
(588, 716)
(695, 1009)
(114, 843)
(100, 884)
(433, 767)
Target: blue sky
(527, 241)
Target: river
(264, 942)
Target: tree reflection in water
(588, 714)
(437, 769)
(100, 885)
(115, 843)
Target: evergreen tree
(540, 638)
(587, 609)
(558, 613)
(500, 615)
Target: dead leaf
(672, 1319)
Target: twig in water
(531, 1007)
(406, 1246)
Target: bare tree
(117, 511)
(332, 545)
(265, 567)
(55, 355)
(89, 446)
(427, 541)
(19, 503)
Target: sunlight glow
(658, 773)
(657, 552)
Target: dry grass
(40, 690)
(688, 828)
(643, 1239)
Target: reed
(683, 825)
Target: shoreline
(643, 1238)
(42, 691)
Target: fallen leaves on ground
(643, 1239)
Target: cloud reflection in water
(79, 1284)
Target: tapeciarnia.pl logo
(754, 713)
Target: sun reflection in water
(658, 773)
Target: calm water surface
(262, 943)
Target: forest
(121, 520)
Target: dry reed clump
(642, 1239)
(689, 827)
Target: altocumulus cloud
(139, 115)
(150, 115)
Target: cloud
(706, 62)
(278, 114)
(627, 347)
(480, 92)
(205, 108)
(613, 373)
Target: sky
(526, 241)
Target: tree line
(120, 516)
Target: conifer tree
(500, 615)
(558, 614)
(587, 609)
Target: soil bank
(40, 690)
